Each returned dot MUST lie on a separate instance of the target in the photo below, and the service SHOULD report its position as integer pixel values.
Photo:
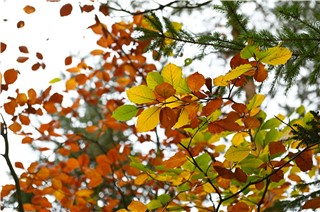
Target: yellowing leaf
(183, 119)
(207, 187)
(140, 94)
(148, 119)
(237, 139)
(220, 81)
(154, 79)
(29, 9)
(84, 193)
(141, 179)
(254, 103)
(236, 154)
(274, 56)
(172, 74)
(136, 206)
(54, 80)
(238, 71)
(71, 84)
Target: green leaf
(250, 164)
(183, 187)
(203, 161)
(140, 94)
(248, 51)
(125, 112)
(154, 204)
(154, 79)
(236, 154)
(137, 164)
(164, 198)
(272, 123)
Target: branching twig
(4, 134)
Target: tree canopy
(147, 129)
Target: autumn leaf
(3, 47)
(276, 148)
(84, 193)
(248, 51)
(136, 206)
(313, 203)
(29, 9)
(165, 90)
(125, 112)
(233, 74)
(140, 94)
(141, 179)
(10, 76)
(195, 81)
(274, 55)
(172, 74)
(236, 154)
(176, 160)
(19, 165)
(211, 106)
(148, 119)
(168, 117)
(304, 161)
(154, 79)
(65, 10)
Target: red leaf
(56, 98)
(312, 203)
(240, 175)
(212, 105)
(304, 161)
(237, 61)
(3, 47)
(261, 73)
(240, 207)
(195, 81)
(68, 60)
(39, 56)
(23, 49)
(276, 148)
(165, 90)
(19, 165)
(65, 10)
(240, 108)
(104, 9)
(276, 177)
(35, 66)
(168, 117)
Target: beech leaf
(274, 55)
(140, 94)
(236, 154)
(125, 112)
(172, 74)
(148, 119)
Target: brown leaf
(241, 207)
(209, 83)
(39, 56)
(3, 47)
(312, 203)
(240, 108)
(65, 10)
(212, 105)
(195, 81)
(35, 66)
(68, 60)
(168, 117)
(237, 61)
(104, 9)
(29, 9)
(224, 173)
(240, 175)
(276, 177)
(23, 49)
(19, 165)
(251, 122)
(87, 8)
(304, 161)
(276, 148)
(165, 90)
(20, 24)
(22, 59)
(56, 98)
(261, 73)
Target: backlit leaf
(176, 160)
(72, 164)
(251, 122)
(154, 79)
(274, 55)
(141, 179)
(125, 112)
(71, 84)
(65, 10)
(165, 90)
(154, 204)
(164, 198)
(304, 161)
(211, 106)
(237, 139)
(140, 94)
(43, 173)
(183, 119)
(15, 127)
(235, 73)
(168, 117)
(84, 193)
(224, 173)
(136, 206)
(195, 81)
(19, 165)
(23, 49)
(6, 189)
(68, 60)
(148, 119)
(248, 51)
(261, 73)
(172, 74)
(236, 154)
(276, 148)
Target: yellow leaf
(148, 119)
(207, 187)
(140, 94)
(254, 104)
(136, 206)
(274, 56)
(183, 119)
(236, 154)
(84, 193)
(237, 139)
(172, 74)
(141, 178)
(233, 74)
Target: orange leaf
(240, 175)
(32, 94)
(23, 49)
(6, 189)
(73, 70)
(104, 9)
(92, 129)
(168, 117)
(56, 184)
(10, 107)
(29, 9)
(71, 84)
(304, 161)
(87, 8)
(72, 164)
(136, 206)
(141, 178)
(276, 148)
(83, 160)
(19, 165)
(20, 24)
(240, 108)
(276, 177)
(49, 107)
(10, 76)
(56, 98)
(312, 204)
(65, 10)
(165, 90)
(15, 127)
(212, 105)
(21, 99)
(175, 161)
(97, 52)
(27, 140)
(195, 81)
(3, 47)
(24, 119)
(240, 207)
(84, 193)
(43, 173)
(237, 61)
